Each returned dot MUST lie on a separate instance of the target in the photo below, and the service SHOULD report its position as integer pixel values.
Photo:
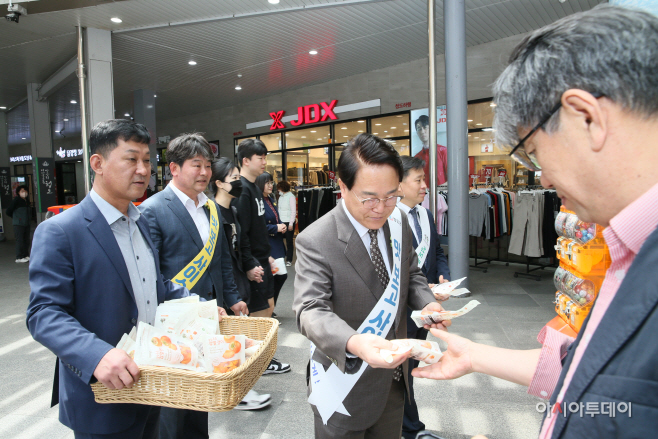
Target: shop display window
(272, 141)
(346, 131)
(480, 115)
(313, 136)
(390, 126)
(275, 165)
(307, 167)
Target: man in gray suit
(355, 266)
(180, 221)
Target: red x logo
(276, 117)
(328, 110)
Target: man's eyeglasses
(529, 160)
(371, 203)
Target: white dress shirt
(197, 212)
(365, 237)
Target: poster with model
(420, 140)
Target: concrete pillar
(4, 166)
(454, 16)
(144, 113)
(41, 137)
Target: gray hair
(608, 50)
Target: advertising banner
(420, 137)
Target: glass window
(402, 146)
(480, 115)
(482, 143)
(275, 165)
(308, 137)
(308, 167)
(345, 131)
(272, 141)
(391, 126)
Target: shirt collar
(633, 225)
(406, 209)
(111, 213)
(202, 198)
(360, 228)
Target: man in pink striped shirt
(579, 100)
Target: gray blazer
(177, 239)
(336, 286)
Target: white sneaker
(28, 258)
(254, 401)
(288, 264)
(22, 261)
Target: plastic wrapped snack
(127, 344)
(223, 353)
(251, 346)
(446, 288)
(187, 299)
(158, 348)
(422, 318)
(168, 314)
(192, 327)
(421, 350)
(208, 310)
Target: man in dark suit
(355, 267)
(579, 101)
(180, 223)
(432, 261)
(93, 276)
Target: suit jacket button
(134, 321)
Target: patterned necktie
(419, 231)
(382, 274)
(377, 259)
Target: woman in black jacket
(19, 212)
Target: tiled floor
(511, 313)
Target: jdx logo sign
(306, 114)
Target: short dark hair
(220, 170)
(105, 136)
(283, 185)
(423, 121)
(262, 179)
(20, 188)
(249, 148)
(188, 146)
(409, 163)
(366, 149)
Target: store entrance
(67, 176)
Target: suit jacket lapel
(101, 230)
(183, 215)
(356, 252)
(628, 310)
(389, 244)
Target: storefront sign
(305, 115)
(311, 114)
(5, 187)
(237, 133)
(502, 173)
(46, 172)
(403, 105)
(68, 153)
(20, 158)
(332, 175)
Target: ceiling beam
(58, 79)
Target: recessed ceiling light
(312, 52)
(397, 116)
(375, 133)
(313, 131)
(149, 106)
(345, 136)
(26, 139)
(378, 124)
(469, 135)
(478, 124)
(155, 96)
(287, 135)
(385, 131)
(343, 128)
(360, 131)
(406, 131)
(65, 120)
(237, 87)
(127, 114)
(303, 137)
(361, 121)
(393, 128)
(487, 129)
(192, 63)
(116, 20)
(74, 102)
(404, 123)
(3, 108)
(492, 104)
(319, 138)
(273, 2)
(470, 120)
(476, 137)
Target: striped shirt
(627, 232)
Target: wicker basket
(184, 389)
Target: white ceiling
(267, 44)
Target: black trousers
(183, 424)
(22, 234)
(279, 280)
(289, 245)
(143, 428)
(411, 423)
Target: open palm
(455, 362)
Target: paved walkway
(511, 314)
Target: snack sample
(251, 346)
(446, 287)
(422, 318)
(158, 348)
(421, 350)
(223, 353)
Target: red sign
(502, 173)
(305, 115)
(403, 105)
(237, 133)
(332, 175)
